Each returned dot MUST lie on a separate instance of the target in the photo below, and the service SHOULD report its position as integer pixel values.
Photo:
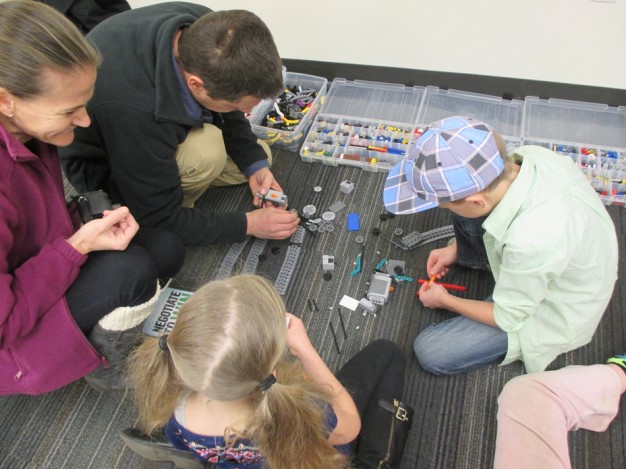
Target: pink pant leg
(536, 411)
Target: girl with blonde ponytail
(223, 386)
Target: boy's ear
(477, 199)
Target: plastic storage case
(389, 117)
(504, 115)
(289, 139)
(593, 135)
(364, 124)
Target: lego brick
(228, 263)
(287, 269)
(337, 206)
(346, 187)
(353, 222)
(348, 302)
(252, 261)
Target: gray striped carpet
(455, 424)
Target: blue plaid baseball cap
(454, 158)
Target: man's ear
(7, 104)
(195, 83)
(477, 199)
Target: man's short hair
(234, 54)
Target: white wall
(564, 41)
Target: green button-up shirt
(553, 252)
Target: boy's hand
(432, 295)
(440, 259)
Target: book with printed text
(163, 316)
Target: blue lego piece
(353, 222)
(357, 268)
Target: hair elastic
(163, 343)
(267, 382)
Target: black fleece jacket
(138, 121)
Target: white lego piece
(351, 303)
(328, 263)
(346, 187)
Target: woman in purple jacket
(72, 296)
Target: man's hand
(261, 182)
(112, 232)
(440, 259)
(272, 223)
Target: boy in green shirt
(535, 219)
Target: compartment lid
(575, 122)
(504, 115)
(373, 100)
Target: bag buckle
(401, 413)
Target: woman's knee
(137, 275)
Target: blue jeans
(459, 345)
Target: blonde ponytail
(157, 388)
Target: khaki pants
(203, 162)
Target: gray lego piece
(228, 263)
(367, 305)
(287, 269)
(252, 261)
(298, 236)
(436, 234)
(416, 239)
(411, 240)
(392, 264)
(378, 291)
(337, 206)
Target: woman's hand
(112, 232)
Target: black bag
(401, 416)
(384, 450)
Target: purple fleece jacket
(41, 347)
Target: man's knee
(267, 150)
(202, 155)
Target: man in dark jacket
(168, 120)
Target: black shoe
(157, 448)
(115, 346)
